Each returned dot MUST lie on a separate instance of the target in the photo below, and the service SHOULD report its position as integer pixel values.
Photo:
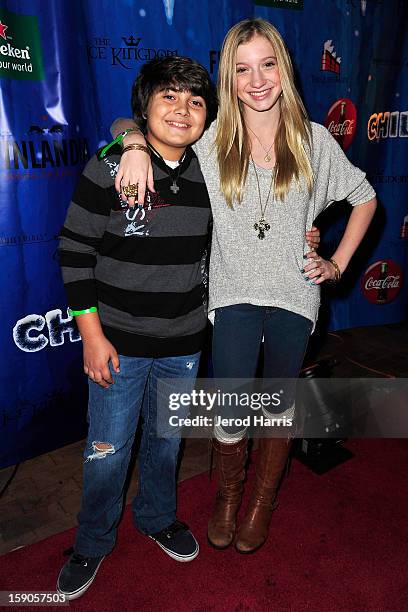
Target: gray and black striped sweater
(143, 267)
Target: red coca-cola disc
(341, 121)
(382, 282)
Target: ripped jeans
(113, 416)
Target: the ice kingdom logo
(132, 51)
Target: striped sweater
(143, 267)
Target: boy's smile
(175, 119)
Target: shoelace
(175, 528)
(76, 558)
(79, 560)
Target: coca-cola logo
(382, 282)
(341, 121)
(341, 129)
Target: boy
(133, 277)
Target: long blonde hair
(232, 142)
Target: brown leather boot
(272, 458)
(230, 464)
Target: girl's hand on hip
(318, 270)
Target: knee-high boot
(272, 458)
(230, 465)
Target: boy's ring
(130, 190)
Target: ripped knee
(100, 450)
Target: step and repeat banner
(66, 69)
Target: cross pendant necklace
(262, 225)
(173, 187)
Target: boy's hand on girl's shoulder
(135, 168)
(97, 354)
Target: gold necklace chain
(267, 157)
(262, 225)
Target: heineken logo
(3, 29)
(20, 47)
(13, 52)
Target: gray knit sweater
(245, 269)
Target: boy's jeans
(113, 415)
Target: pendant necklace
(262, 225)
(267, 157)
(174, 186)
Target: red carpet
(338, 542)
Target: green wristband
(75, 313)
(117, 140)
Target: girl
(269, 172)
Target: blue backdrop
(66, 67)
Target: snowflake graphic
(169, 9)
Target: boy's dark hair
(173, 72)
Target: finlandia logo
(330, 61)
(42, 147)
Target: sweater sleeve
(84, 226)
(336, 177)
